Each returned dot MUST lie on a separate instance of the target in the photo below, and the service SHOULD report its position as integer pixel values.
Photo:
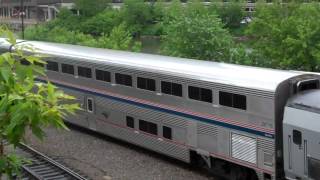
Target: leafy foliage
(101, 23)
(25, 103)
(119, 39)
(138, 14)
(231, 13)
(288, 36)
(188, 34)
(91, 7)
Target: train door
(298, 151)
(90, 108)
(80, 117)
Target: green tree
(137, 15)
(197, 33)
(25, 103)
(67, 20)
(119, 39)
(231, 13)
(101, 23)
(91, 7)
(288, 35)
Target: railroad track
(43, 167)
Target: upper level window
(52, 66)
(145, 83)
(200, 94)
(84, 72)
(67, 68)
(233, 100)
(39, 64)
(171, 88)
(103, 75)
(24, 62)
(123, 79)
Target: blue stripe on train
(197, 118)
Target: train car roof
(237, 75)
(307, 100)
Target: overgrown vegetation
(282, 36)
(195, 32)
(25, 103)
(288, 36)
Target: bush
(231, 13)
(101, 23)
(288, 35)
(197, 33)
(119, 39)
(90, 8)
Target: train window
(200, 94)
(52, 66)
(145, 83)
(166, 87)
(103, 75)
(171, 88)
(39, 64)
(130, 121)
(123, 79)
(24, 62)
(84, 72)
(176, 89)
(308, 84)
(297, 137)
(67, 68)
(153, 128)
(239, 101)
(167, 132)
(233, 100)
(148, 127)
(143, 125)
(90, 105)
(225, 98)
(194, 93)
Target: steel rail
(45, 168)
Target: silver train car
(243, 122)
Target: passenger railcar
(227, 117)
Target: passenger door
(298, 152)
(90, 108)
(80, 117)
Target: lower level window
(148, 127)
(167, 132)
(130, 121)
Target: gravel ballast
(104, 158)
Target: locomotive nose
(301, 134)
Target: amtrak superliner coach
(243, 122)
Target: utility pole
(22, 17)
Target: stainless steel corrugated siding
(266, 145)
(207, 129)
(151, 115)
(146, 141)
